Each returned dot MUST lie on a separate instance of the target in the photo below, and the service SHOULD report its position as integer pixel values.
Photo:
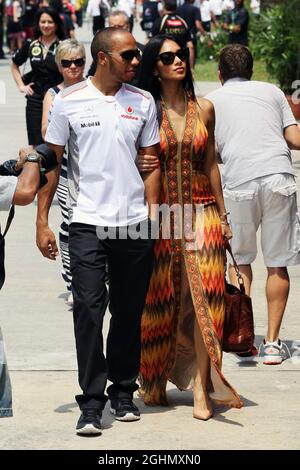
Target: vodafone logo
(134, 118)
(129, 112)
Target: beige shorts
(271, 203)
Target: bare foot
(234, 403)
(202, 407)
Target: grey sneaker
(273, 352)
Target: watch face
(33, 158)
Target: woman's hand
(147, 163)
(26, 89)
(226, 230)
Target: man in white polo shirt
(254, 130)
(105, 123)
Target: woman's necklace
(181, 129)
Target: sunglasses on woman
(168, 58)
(128, 56)
(66, 63)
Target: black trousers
(130, 265)
(79, 17)
(34, 112)
(207, 26)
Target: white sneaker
(273, 352)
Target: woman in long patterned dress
(182, 324)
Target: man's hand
(23, 152)
(46, 242)
(147, 163)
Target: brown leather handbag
(238, 333)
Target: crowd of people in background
(17, 17)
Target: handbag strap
(227, 247)
(9, 219)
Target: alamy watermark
(177, 222)
(296, 94)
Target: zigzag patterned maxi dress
(187, 285)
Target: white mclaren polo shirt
(104, 134)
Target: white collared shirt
(104, 134)
(216, 7)
(250, 120)
(127, 6)
(227, 5)
(93, 8)
(205, 10)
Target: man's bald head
(107, 39)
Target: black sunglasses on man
(127, 56)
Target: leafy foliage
(275, 38)
(210, 46)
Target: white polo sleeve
(58, 131)
(150, 133)
(8, 186)
(288, 118)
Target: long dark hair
(147, 80)
(55, 17)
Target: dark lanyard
(9, 220)
(2, 245)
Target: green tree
(275, 38)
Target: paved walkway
(37, 327)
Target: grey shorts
(269, 202)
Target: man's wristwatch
(33, 158)
(36, 158)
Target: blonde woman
(70, 60)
